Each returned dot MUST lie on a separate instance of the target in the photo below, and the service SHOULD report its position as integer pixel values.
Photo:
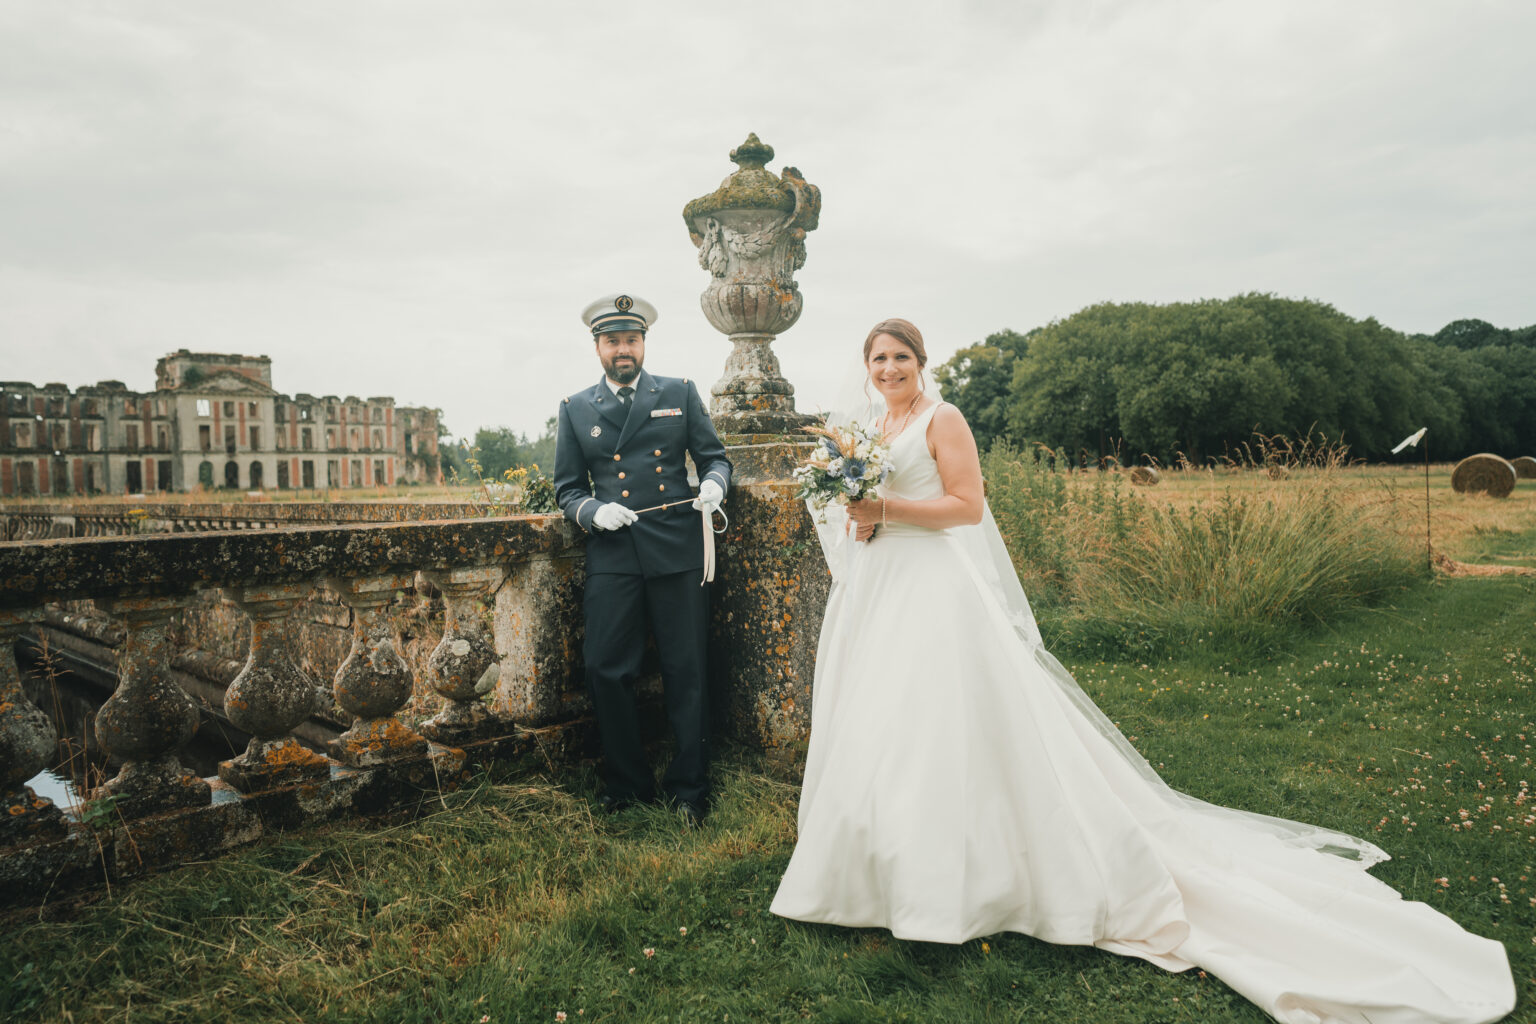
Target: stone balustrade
(496, 684)
(507, 668)
(31, 521)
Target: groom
(621, 475)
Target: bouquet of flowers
(847, 465)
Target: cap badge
(597, 431)
(624, 303)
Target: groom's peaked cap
(613, 313)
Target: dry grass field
(1467, 528)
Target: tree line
(498, 449)
(1200, 378)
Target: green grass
(512, 902)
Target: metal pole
(1429, 551)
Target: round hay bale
(1144, 476)
(1525, 467)
(1484, 473)
(1279, 472)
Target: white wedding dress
(959, 783)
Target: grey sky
(417, 199)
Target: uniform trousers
(618, 607)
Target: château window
(204, 407)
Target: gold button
(621, 474)
(623, 494)
(616, 457)
(662, 487)
(658, 469)
(656, 452)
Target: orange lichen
(292, 753)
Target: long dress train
(959, 783)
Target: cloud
(396, 198)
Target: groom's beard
(622, 369)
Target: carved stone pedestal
(771, 587)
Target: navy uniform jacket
(639, 462)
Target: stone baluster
(373, 682)
(148, 717)
(270, 696)
(465, 657)
(27, 742)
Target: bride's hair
(904, 331)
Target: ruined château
(212, 421)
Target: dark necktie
(626, 396)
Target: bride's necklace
(886, 435)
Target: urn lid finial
(753, 154)
(750, 187)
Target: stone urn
(750, 233)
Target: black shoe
(691, 815)
(610, 804)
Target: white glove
(710, 496)
(613, 516)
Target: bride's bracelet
(882, 512)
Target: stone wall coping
(295, 511)
(154, 565)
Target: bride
(960, 783)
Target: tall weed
(1055, 520)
